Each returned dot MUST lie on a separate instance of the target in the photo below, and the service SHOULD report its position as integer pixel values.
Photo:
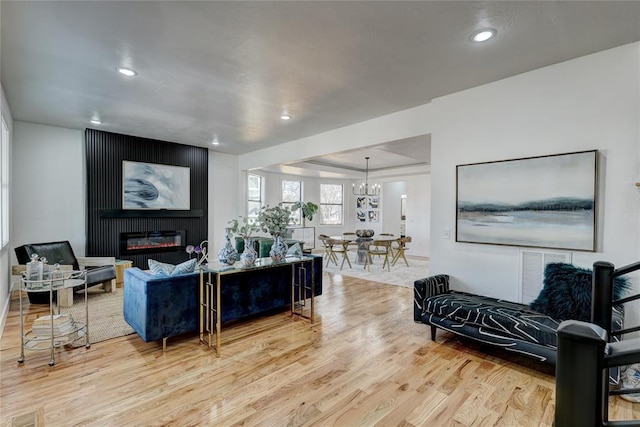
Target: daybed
(529, 330)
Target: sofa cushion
(566, 293)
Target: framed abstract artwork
(548, 201)
(155, 186)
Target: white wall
(49, 185)
(5, 253)
(418, 225)
(390, 209)
(591, 102)
(226, 196)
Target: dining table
(363, 244)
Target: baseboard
(5, 313)
(423, 254)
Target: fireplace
(152, 242)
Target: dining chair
(400, 249)
(324, 239)
(388, 236)
(380, 248)
(351, 236)
(339, 247)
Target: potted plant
(244, 228)
(275, 220)
(308, 210)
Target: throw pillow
(295, 250)
(566, 293)
(184, 268)
(160, 268)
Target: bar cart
(56, 329)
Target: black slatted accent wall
(105, 218)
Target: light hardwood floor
(363, 363)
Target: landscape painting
(545, 202)
(155, 186)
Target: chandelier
(364, 189)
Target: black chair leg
(433, 333)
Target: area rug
(400, 274)
(106, 320)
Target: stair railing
(586, 353)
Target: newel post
(602, 295)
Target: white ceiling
(231, 68)
(393, 158)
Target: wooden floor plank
(364, 362)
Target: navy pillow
(567, 292)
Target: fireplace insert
(152, 242)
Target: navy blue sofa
(162, 307)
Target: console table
(214, 275)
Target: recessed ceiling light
(215, 141)
(95, 122)
(483, 35)
(285, 116)
(126, 71)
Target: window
(4, 180)
(292, 193)
(254, 195)
(331, 204)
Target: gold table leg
(302, 291)
(210, 313)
